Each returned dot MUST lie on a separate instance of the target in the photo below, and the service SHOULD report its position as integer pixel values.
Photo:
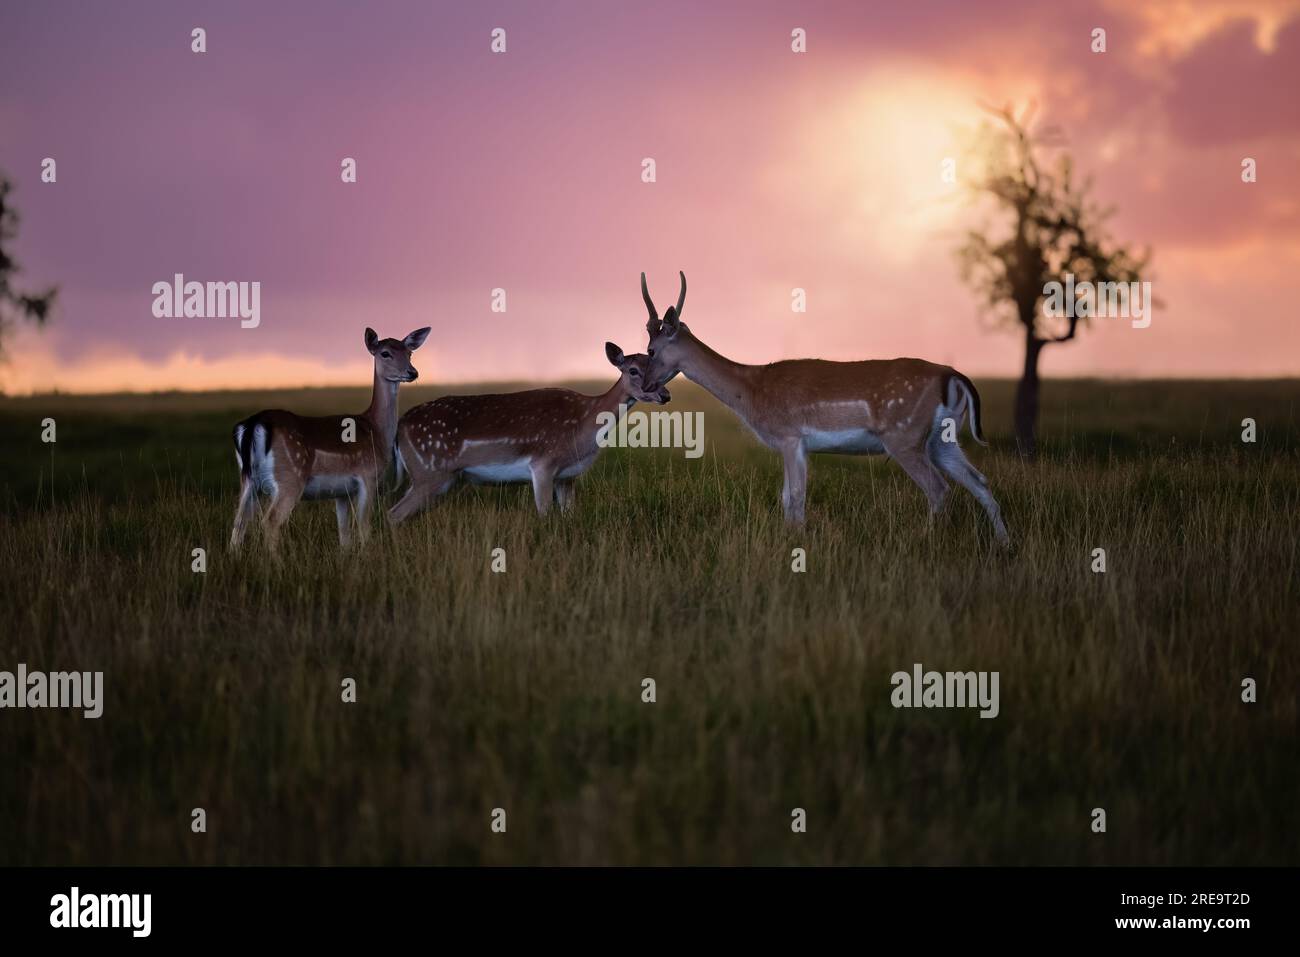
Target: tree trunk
(1027, 399)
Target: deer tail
(245, 434)
(957, 384)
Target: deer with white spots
(908, 409)
(547, 437)
(289, 457)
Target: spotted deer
(288, 457)
(544, 436)
(908, 409)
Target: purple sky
(522, 171)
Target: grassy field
(522, 690)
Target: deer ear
(416, 339)
(615, 355)
(671, 322)
(372, 340)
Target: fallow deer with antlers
(544, 436)
(908, 409)
(289, 457)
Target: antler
(674, 312)
(652, 325)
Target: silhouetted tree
(1055, 229)
(14, 305)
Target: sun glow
(886, 164)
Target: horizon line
(566, 382)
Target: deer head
(393, 356)
(636, 381)
(668, 336)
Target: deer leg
(794, 492)
(343, 510)
(418, 494)
(565, 494)
(282, 505)
(365, 493)
(949, 457)
(919, 469)
(243, 512)
(543, 486)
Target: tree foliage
(1055, 228)
(16, 306)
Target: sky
(522, 171)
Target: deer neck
(611, 401)
(382, 413)
(727, 381)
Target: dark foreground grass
(523, 690)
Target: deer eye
(652, 353)
(386, 354)
(636, 371)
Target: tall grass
(523, 690)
